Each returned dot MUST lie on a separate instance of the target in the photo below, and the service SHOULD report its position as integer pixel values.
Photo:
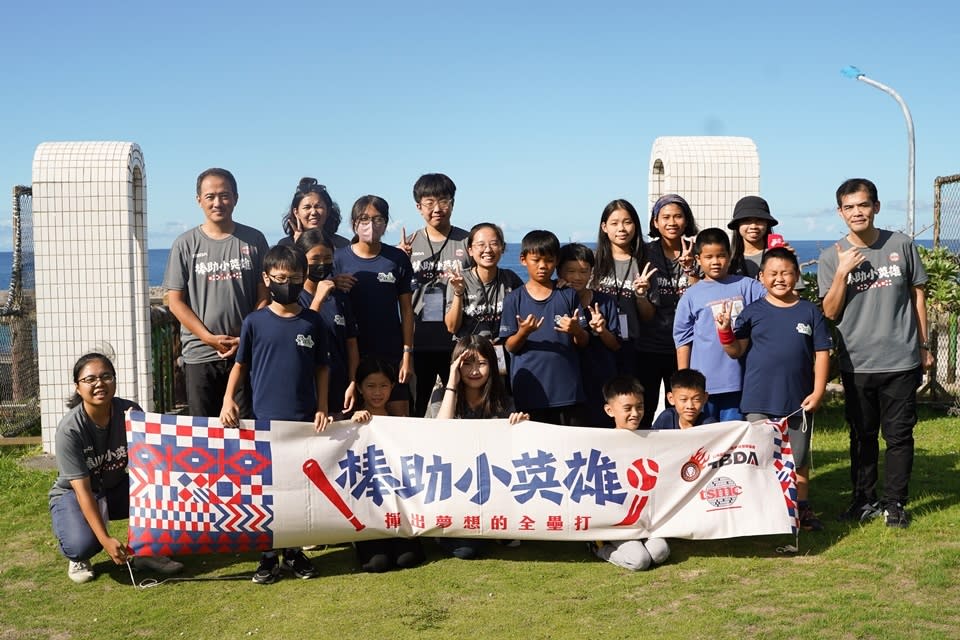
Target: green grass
(850, 581)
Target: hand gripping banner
(196, 487)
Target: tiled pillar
(710, 172)
(90, 243)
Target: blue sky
(541, 112)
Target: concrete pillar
(92, 293)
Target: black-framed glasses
(285, 279)
(377, 220)
(105, 378)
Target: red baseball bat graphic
(313, 471)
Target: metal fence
(19, 378)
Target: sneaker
(80, 571)
(160, 564)
(809, 520)
(269, 570)
(594, 547)
(897, 516)
(861, 511)
(297, 562)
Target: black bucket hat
(751, 207)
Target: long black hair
(494, 403)
(605, 266)
(306, 186)
(83, 361)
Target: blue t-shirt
(381, 281)
(283, 355)
(545, 372)
(598, 363)
(670, 419)
(694, 324)
(339, 324)
(778, 365)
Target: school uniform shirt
(545, 372)
(283, 355)
(482, 303)
(695, 325)
(431, 261)
(381, 281)
(778, 365)
(619, 285)
(670, 419)
(598, 363)
(340, 325)
(668, 284)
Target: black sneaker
(860, 511)
(297, 562)
(809, 520)
(897, 516)
(269, 570)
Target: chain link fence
(19, 378)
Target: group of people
(322, 328)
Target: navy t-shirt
(545, 372)
(339, 324)
(381, 281)
(670, 419)
(598, 363)
(778, 365)
(283, 355)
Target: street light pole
(856, 74)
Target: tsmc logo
(721, 492)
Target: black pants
(427, 365)
(206, 384)
(652, 369)
(568, 416)
(881, 403)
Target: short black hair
(713, 235)
(434, 185)
(219, 173)
(853, 185)
(688, 379)
(285, 257)
(781, 254)
(622, 386)
(541, 243)
(575, 252)
(360, 208)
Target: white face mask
(368, 232)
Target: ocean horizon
(807, 251)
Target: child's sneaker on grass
(809, 520)
(296, 561)
(160, 564)
(897, 516)
(269, 570)
(80, 571)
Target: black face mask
(320, 271)
(286, 293)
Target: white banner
(199, 488)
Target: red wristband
(726, 336)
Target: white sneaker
(80, 572)
(160, 564)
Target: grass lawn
(849, 581)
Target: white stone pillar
(92, 288)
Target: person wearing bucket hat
(751, 225)
(671, 253)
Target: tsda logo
(722, 492)
(736, 457)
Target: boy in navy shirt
(688, 394)
(694, 328)
(284, 348)
(542, 326)
(785, 345)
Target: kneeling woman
(92, 486)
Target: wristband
(726, 336)
(408, 349)
(451, 389)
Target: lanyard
(626, 275)
(435, 254)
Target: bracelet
(726, 336)
(459, 294)
(925, 346)
(408, 349)
(451, 389)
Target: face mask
(321, 271)
(286, 293)
(369, 232)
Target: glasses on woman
(105, 378)
(377, 220)
(483, 246)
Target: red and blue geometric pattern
(196, 488)
(786, 470)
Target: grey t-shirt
(220, 278)
(619, 285)
(430, 261)
(84, 449)
(878, 325)
(482, 303)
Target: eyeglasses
(377, 220)
(483, 246)
(105, 378)
(286, 279)
(430, 203)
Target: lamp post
(856, 74)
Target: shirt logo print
(386, 277)
(805, 329)
(304, 341)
